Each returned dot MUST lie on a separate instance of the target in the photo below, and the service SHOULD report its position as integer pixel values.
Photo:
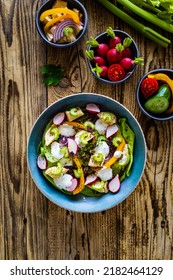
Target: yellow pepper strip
(164, 78)
(60, 11)
(75, 124)
(113, 159)
(55, 20)
(80, 186)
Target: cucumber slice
(157, 105)
(163, 91)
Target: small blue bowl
(104, 38)
(81, 203)
(71, 4)
(141, 100)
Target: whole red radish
(96, 59)
(114, 39)
(101, 49)
(127, 52)
(127, 63)
(101, 71)
(115, 55)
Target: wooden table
(31, 227)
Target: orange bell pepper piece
(75, 124)
(60, 11)
(80, 186)
(113, 159)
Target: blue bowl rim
(152, 116)
(129, 74)
(42, 35)
(122, 197)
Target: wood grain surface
(31, 227)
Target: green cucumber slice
(157, 105)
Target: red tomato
(116, 72)
(149, 86)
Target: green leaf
(52, 74)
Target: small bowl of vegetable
(86, 152)
(155, 94)
(113, 56)
(61, 23)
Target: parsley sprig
(52, 74)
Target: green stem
(146, 5)
(146, 15)
(148, 32)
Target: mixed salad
(86, 150)
(61, 24)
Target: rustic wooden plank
(23, 208)
(31, 227)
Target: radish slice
(72, 146)
(114, 184)
(59, 118)
(111, 130)
(73, 186)
(100, 126)
(90, 179)
(105, 174)
(92, 108)
(41, 162)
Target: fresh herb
(86, 152)
(52, 74)
(151, 11)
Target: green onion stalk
(146, 31)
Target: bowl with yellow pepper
(155, 94)
(61, 23)
(87, 157)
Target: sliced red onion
(58, 31)
(63, 140)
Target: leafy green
(129, 137)
(52, 74)
(89, 192)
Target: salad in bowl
(86, 150)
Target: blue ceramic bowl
(104, 38)
(141, 100)
(81, 203)
(71, 4)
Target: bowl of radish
(154, 94)
(61, 23)
(88, 157)
(113, 56)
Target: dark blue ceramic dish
(71, 4)
(81, 203)
(141, 100)
(104, 38)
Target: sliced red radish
(92, 108)
(59, 118)
(41, 162)
(111, 130)
(90, 179)
(72, 146)
(73, 186)
(114, 184)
